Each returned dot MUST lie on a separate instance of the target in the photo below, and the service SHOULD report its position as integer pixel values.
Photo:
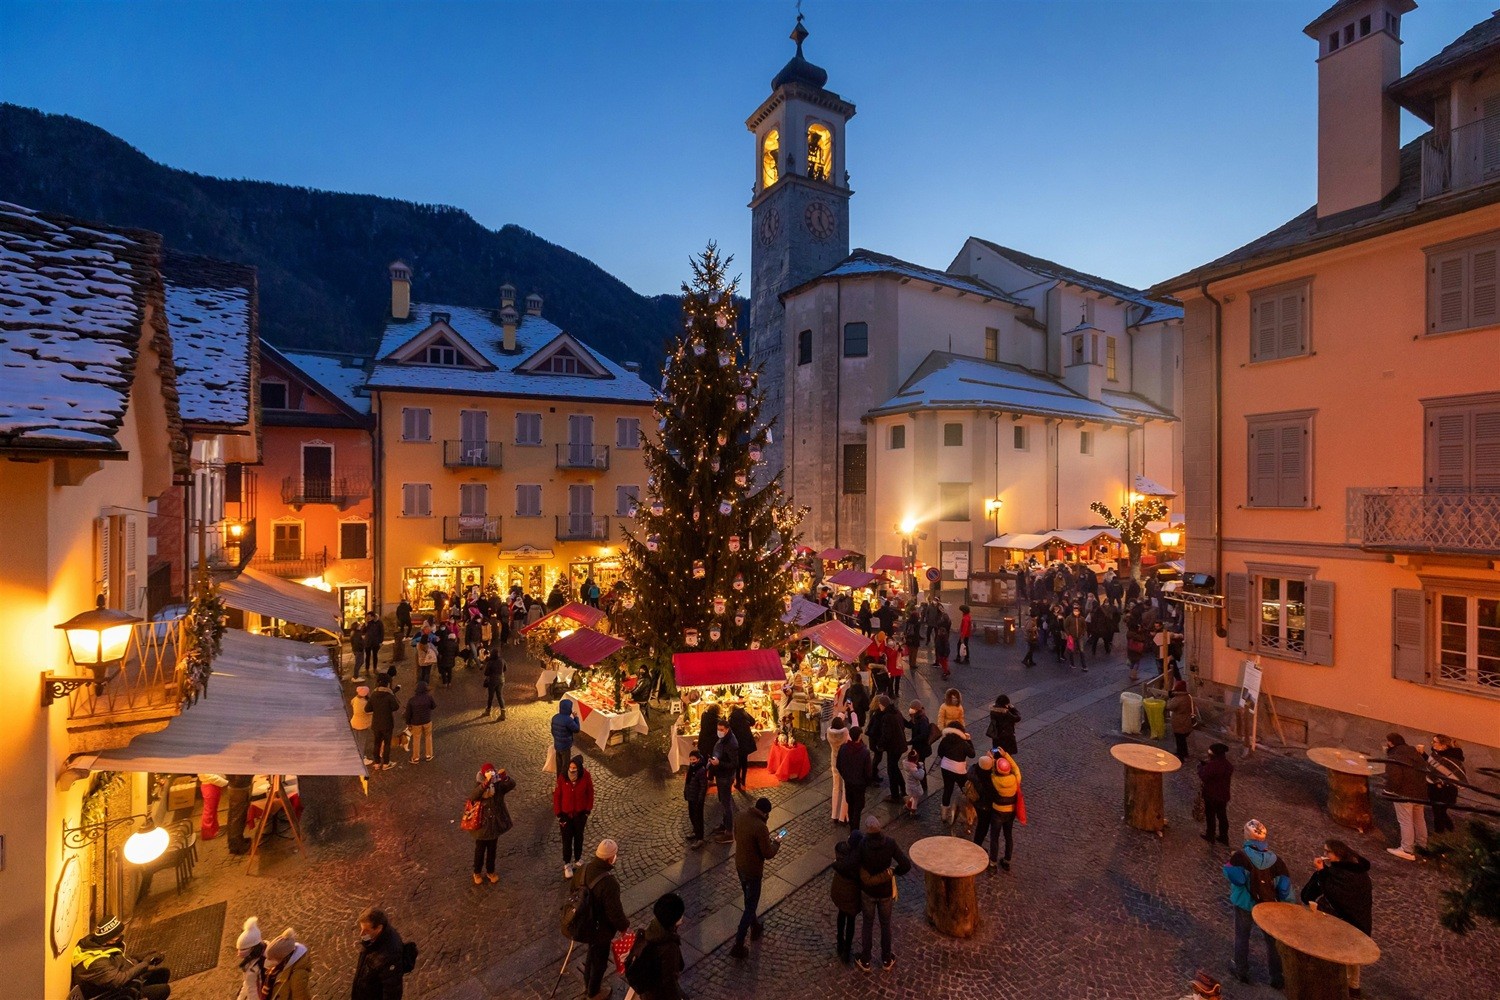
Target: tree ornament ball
(653, 542)
(721, 321)
(754, 643)
(714, 464)
(698, 570)
(742, 480)
(739, 581)
(734, 540)
(725, 508)
(746, 381)
(755, 454)
(713, 298)
(696, 513)
(741, 403)
(628, 601)
(658, 508)
(723, 438)
(714, 632)
(690, 637)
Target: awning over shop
(804, 612)
(586, 647)
(836, 555)
(261, 593)
(732, 666)
(1148, 487)
(1024, 541)
(839, 639)
(1174, 521)
(580, 614)
(273, 707)
(1085, 536)
(889, 563)
(855, 578)
(1027, 541)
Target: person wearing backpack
(381, 965)
(881, 861)
(425, 643)
(605, 919)
(1256, 875)
(572, 801)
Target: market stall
(751, 676)
(582, 648)
(833, 644)
(803, 612)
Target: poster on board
(1249, 698)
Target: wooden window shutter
(1408, 636)
(1263, 344)
(1484, 459)
(408, 499)
(1291, 465)
(1264, 482)
(1290, 323)
(1237, 610)
(1445, 295)
(1319, 634)
(1448, 452)
(1484, 286)
(130, 574)
(101, 558)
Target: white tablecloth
(544, 680)
(599, 724)
(681, 745)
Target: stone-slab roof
(211, 314)
(862, 262)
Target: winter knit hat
(607, 850)
(1256, 830)
(250, 936)
(763, 805)
(986, 762)
(485, 770)
(1002, 765)
(281, 946)
(363, 691)
(668, 909)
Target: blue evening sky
(1131, 139)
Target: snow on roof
(954, 382)
(1152, 310)
(1129, 402)
(863, 261)
(211, 315)
(340, 375)
(479, 328)
(73, 299)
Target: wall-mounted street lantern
(97, 641)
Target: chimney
(400, 290)
(508, 324)
(634, 367)
(534, 304)
(1359, 126)
(507, 296)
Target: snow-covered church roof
(73, 298)
(211, 314)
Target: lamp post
(97, 641)
(142, 847)
(908, 530)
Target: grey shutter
(1290, 322)
(1319, 633)
(473, 499)
(1445, 293)
(1484, 460)
(1263, 478)
(1263, 337)
(1484, 286)
(1490, 136)
(1237, 610)
(1291, 464)
(1408, 635)
(1448, 452)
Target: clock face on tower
(820, 220)
(770, 227)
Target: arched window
(770, 150)
(819, 152)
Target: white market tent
(297, 603)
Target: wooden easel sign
(1249, 700)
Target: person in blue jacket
(564, 727)
(1256, 875)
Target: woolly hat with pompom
(250, 936)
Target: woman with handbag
(486, 818)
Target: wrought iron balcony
(292, 567)
(471, 454)
(230, 546)
(582, 528)
(472, 528)
(1416, 520)
(297, 491)
(1463, 158)
(147, 690)
(583, 456)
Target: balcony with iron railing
(293, 567)
(472, 528)
(230, 545)
(1461, 158)
(583, 456)
(148, 689)
(1400, 519)
(582, 528)
(471, 454)
(298, 491)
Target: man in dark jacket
(695, 791)
(1215, 775)
(609, 916)
(742, 725)
(419, 709)
(855, 767)
(662, 955)
(858, 697)
(753, 847)
(238, 793)
(1405, 776)
(374, 637)
(881, 861)
(708, 731)
(892, 737)
(564, 727)
(726, 764)
(494, 682)
(382, 704)
(403, 620)
(1340, 887)
(1002, 728)
(102, 969)
(377, 972)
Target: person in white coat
(837, 735)
(252, 960)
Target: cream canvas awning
(297, 603)
(273, 706)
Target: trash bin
(991, 635)
(1156, 715)
(1010, 631)
(1130, 712)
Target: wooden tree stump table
(1349, 774)
(1316, 949)
(950, 864)
(1144, 766)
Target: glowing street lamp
(1169, 538)
(97, 641)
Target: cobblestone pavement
(1109, 913)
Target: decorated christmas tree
(705, 566)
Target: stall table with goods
(754, 676)
(838, 644)
(598, 713)
(547, 630)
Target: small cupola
(798, 69)
(507, 296)
(534, 304)
(400, 290)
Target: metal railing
(1462, 158)
(471, 454)
(472, 528)
(583, 456)
(295, 567)
(231, 546)
(582, 528)
(149, 683)
(1417, 520)
(342, 490)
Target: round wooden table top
(1145, 758)
(1346, 761)
(1316, 934)
(949, 857)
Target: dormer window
(563, 362)
(441, 352)
(273, 395)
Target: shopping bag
(550, 764)
(620, 947)
(1021, 807)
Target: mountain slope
(322, 255)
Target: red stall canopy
(889, 563)
(732, 666)
(855, 578)
(804, 612)
(835, 555)
(839, 639)
(582, 614)
(586, 647)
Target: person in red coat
(572, 801)
(965, 631)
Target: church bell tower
(799, 215)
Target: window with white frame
(627, 432)
(416, 423)
(1282, 626)
(528, 500)
(1467, 638)
(286, 540)
(416, 499)
(354, 539)
(897, 437)
(1279, 321)
(1281, 611)
(626, 500)
(1019, 439)
(528, 428)
(441, 352)
(562, 362)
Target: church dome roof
(798, 69)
